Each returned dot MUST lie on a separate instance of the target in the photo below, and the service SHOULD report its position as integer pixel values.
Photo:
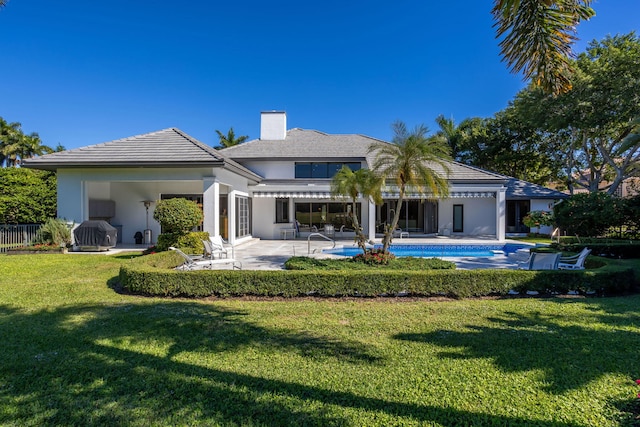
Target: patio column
(231, 206)
(371, 226)
(501, 213)
(211, 205)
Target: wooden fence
(15, 235)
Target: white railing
(318, 235)
(15, 235)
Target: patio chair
(199, 264)
(291, 230)
(329, 230)
(541, 261)
(575, 262)
(217, 245)
(398, 232)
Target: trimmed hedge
(612, 249)
(151, 275)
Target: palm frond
(537, 36)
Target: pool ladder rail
(325, 237)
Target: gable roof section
(303, 144)
(306, 145)
(518, 189)
(164, 148)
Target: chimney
(273, 125)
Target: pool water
(430, 251)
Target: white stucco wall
(128, 187)
(264, 218)
(272, 169)
(542, 205)
(479, 216)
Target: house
(260, 188)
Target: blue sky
(85, 72)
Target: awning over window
(452, 195)
(294, 194)
(327, 195)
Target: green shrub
(54, 232)
(590, 214)
(607, 248)
(190, 242)
(177, 215)
(150, 275)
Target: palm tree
(229, 140)
(16, 146)
(454, 135)
(347, 183)
(414, 163)
(10, 135)
(537, 36)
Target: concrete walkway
(259, 254)
(271, 254)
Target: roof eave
(137, 164)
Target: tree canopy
(594, 128)
(586, 138)
(27, 196)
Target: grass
(75, 352)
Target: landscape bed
(153, 275)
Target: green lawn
(75, 352)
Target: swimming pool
(445, 250)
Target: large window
(319, 214)
(282, 211)
(322, 169)
(243, 216)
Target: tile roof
(168, 147)
(301, 144)
(518, 189)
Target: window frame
(282, 210)
(458, 210)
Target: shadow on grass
(570, 354)
(127, 364)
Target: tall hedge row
(151, 275)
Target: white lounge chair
(199, 264)
(575, 262)
(398, 232)
(218, 246)
(541, 261)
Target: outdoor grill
(95, 236)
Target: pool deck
(258, 254)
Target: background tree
(230, 139)
(364, 183)
(589, 214)
(27, 196)
(413, 162)
(537, 36)
(594, 127)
